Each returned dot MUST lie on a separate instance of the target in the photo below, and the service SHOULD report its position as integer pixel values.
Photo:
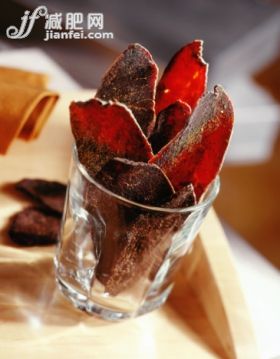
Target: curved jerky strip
(184, 78)
(50, 194)
(196, 154)
(142, 248)
(169, 122)
(106, 130)
(183, 198)
(132, 81)
(32, 226)
(136, 181)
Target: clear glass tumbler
(116, 258)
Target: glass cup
(117, 258)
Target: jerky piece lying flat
(50, 194)
(32, 226)
(132, 81)
(142, 247)
(184, 78)
(169, 122)
(136, 181)
(106, 130)
(196, 154)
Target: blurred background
(242, 45)
(161, 26)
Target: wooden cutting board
(205, 317)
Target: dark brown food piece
(184, 78)
(136, 181)
(196, 154)
(169, 122)
(183, 198)
(50, 194)
(32, 227)
(140, 250)
(106, 130)
(132, 81)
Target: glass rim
(210, 194)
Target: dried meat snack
(132, 81)
(106, 130)
(190, 135)
(50, 194)
(169, 122)
(32, 227)
(137, 181)
(183, 198)
(141, 249)
(184, 78)
(196, 154)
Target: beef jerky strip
(136, 181)
(142, 247)
(184, 78)
(50, 194)
(132, 81)
(169, 122)
(196, 154)
(106, 130)
(32, 226)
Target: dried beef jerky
(184, 78)
(196, 154)
(133, 180)
(132, 81)
(50, 194)
(136, 181)
(169, 122)
(32, 227)
(142, 247)
(106, 130)
(183, 198)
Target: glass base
(80, 301)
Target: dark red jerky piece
(136, 181)
(181, 199)
(169, 122)
(141, 249)
(185, 197)
(106, 130)
(196, 154)
(33, 226)
(132, 81)
(184, 78)
(50, 194)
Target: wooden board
(205, 317)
